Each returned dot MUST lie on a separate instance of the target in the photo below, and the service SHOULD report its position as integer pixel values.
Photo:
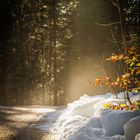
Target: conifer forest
(51, 49)
(69, 69)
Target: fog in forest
(91, 44)
(51, 50)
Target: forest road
(15, 123)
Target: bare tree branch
(115, 4)
(119, 42)
(116, 43)
(109, 24)
(114, 39)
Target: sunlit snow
(83, 119)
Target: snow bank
(137, 137)
(98, 107)
(133, 95)
(82, 119)
(114, 121)
(48, 119)
(86, 119)
(132, 128)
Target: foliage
(130, 79)
(134, 106)
(131, 58)
(127, 58)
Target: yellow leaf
(138, 64)
(107, 105)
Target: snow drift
(132, 128)
(86, 119)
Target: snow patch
(114, 121)
(132, 128)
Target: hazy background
(50, 50)
(91, 44)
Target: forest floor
(15, 123)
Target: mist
(91, 43)
(49, 54)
